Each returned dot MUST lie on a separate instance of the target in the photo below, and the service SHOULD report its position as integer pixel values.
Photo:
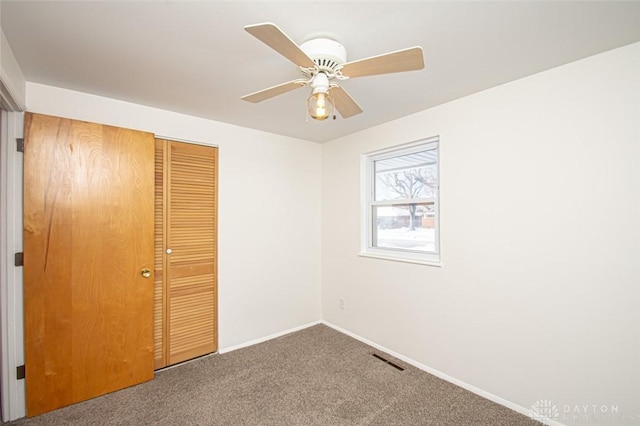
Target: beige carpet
(316, 376)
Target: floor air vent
(391, 363)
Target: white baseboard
(487, 395)
(269, 337)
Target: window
(400, 203)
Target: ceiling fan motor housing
(326, 53)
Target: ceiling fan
(323, 62)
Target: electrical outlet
(341, 303)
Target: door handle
(146, 272)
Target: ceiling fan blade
(273, 37)
(265, 94)
(401, 60)
(345, 104)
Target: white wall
(269, 211)
(538, 296)
(12, 82)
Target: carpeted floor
(316, 376)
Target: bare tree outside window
(409, 184)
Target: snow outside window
(400, 203)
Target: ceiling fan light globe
(320, 105)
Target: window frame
(368, 202)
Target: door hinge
(20, 372)
(20, 144)
(19, 259)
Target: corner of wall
(12, 81)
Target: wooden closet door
(88, 234)
(189, 265)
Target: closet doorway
(105, 208)
(185, 285)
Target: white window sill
(404, 259)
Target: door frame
(11, 284)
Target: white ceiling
(195, 57)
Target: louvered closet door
(189, 266)
(159, 307)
